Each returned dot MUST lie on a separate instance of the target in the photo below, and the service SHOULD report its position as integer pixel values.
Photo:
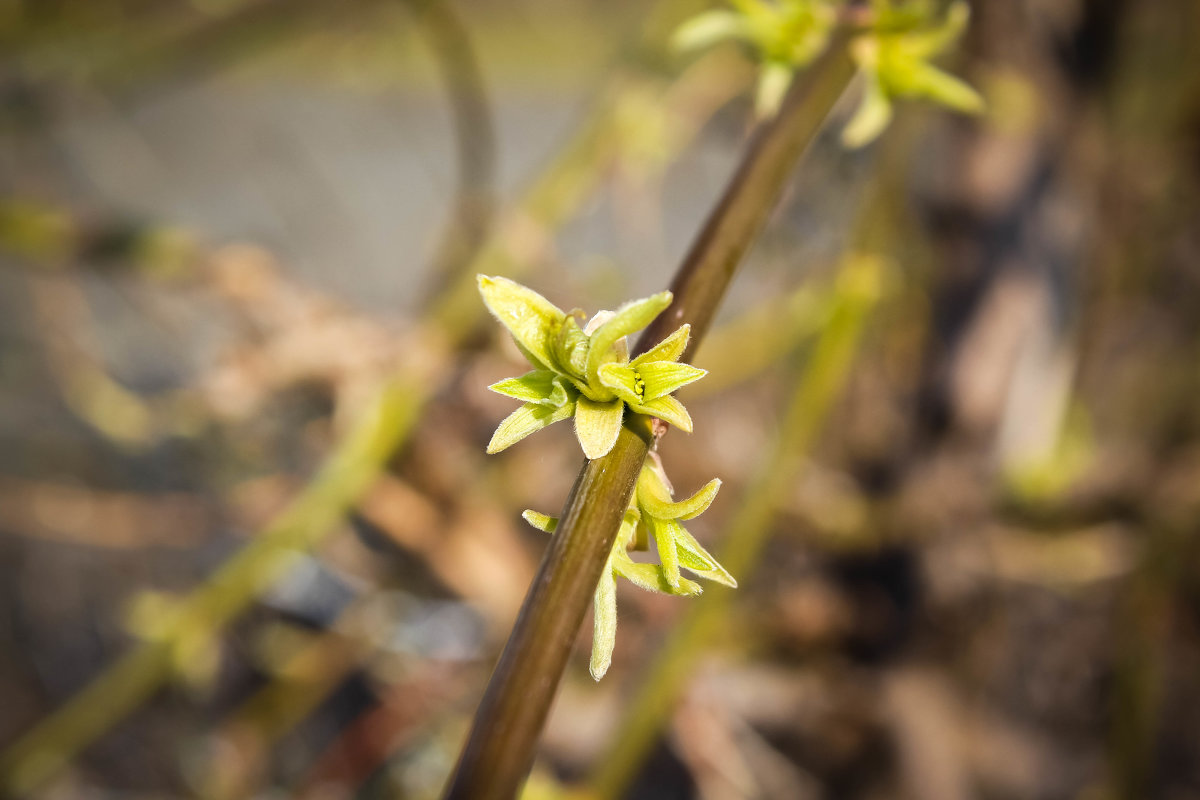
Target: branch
(500, 748)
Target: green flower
(585, 373)
(652, 513)
(787, 34)
(893, 60)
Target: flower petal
(604, 626)
(663, 531)
(663, 377)
(658, 503)
(669, 349)
(925, 80)
(773, 83)
(926, 44)
(651, 577)
(669, 410)
(693, 557)
(708, 28)
(873, 114)
(627, 319)
(622, 380)
(543, 522)
(530, 318)
(527, 419)
(570, 347)
(540, 386)
(597, 425)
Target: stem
(500, 748)
(816, 388)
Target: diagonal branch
(500, 747)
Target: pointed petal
(525, 420)
(627, 536)
(543, 522)
(659, 504)
(570, 347)
(641, 535)
(873, 114)
(651, 578)
(540, 386)
(663, 377)
(669, 410)
(604, 627)
(669, 349)
(530, 318)
(925, 80)
(664, 539)
(622, 380)
(925, 44)
(631, 317)
(597, 425)
(773, 83)
(706, 29)
(693, 557)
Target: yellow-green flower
(893, 60)
(788, 34)
(652, 513)
(585, 373)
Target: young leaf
(664, 377)
(669, 410)
(658, 503)
(540, 386)
(525, 420)
(923, 45)
(924, 80)
(571, 346)
(694, 557)
(873, 114)
(627, 319)
(651, 578)
(641, 533)
(543, 522)
(530, 318)
(622, 380)
(706, 29)
(664, 538)
(773, 84)
(597, 425)
(669, 349)
(604, 628)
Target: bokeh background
(251, 546)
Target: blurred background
(251, 545)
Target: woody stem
(500, 748)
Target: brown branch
(500, 747)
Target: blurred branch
(817, 386)
(776, 327)
(500, 748)
(134, 678)
(473, 207)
